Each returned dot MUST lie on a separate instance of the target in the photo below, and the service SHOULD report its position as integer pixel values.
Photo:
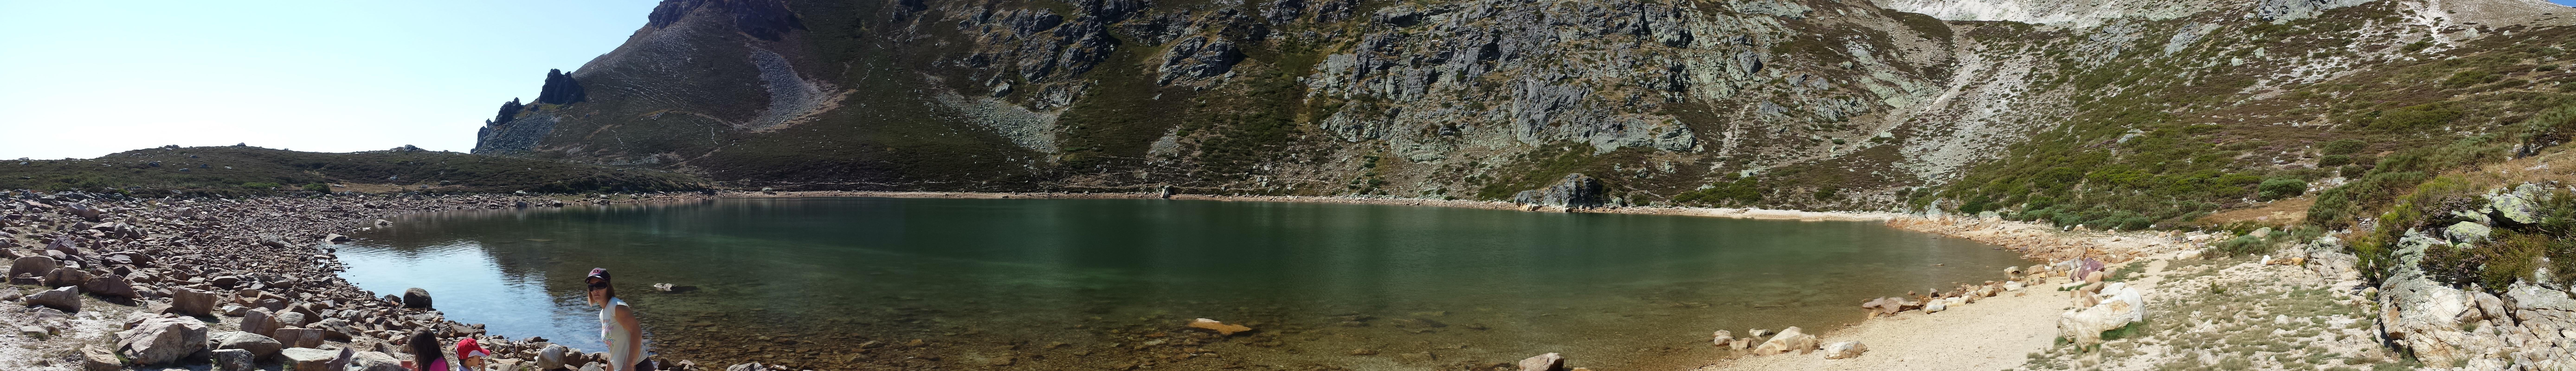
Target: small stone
(303, 358)
(1363, 352)
(1723, 338)
(38, 332)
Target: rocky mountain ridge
(1900, 105)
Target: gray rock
(376, 361)
(260, 346)
(553, 357)
(2468, 232)
(298, 337)
(1575, 191)
(415, 298)
(754, 366)
(234, 360)
(1543, 362)
(109, 285)
(63, 298)
(291, 319)
(259, 321)
(1844, 349)
(94, 358)
(163, 340)
(302, 358)
(36, 265)
(66, 276)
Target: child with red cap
(470, 354)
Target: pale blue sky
(87, 78)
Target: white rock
(1844, 349)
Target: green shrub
(2333, 161)
(2342, 147)
(2280, 188)
(2471, 77)
(2413, 118)
(2246, 245)
(317, 187)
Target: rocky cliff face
(1776, 103)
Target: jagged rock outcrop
(560, 88)
(1575, 191)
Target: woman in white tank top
(617, 324)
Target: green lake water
(1109, 283)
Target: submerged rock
(1221, 328)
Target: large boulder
(1792, 339)
(162, 340)
(2123, 308)
(1543, 362)
(552, 357)
(260, 346)
(109, 285)
(259, 321)
(66, 276)
(36, 265)
(298, 337)
(415, 298)
(235, 360)
(66, 299)
(1844, 349)
(192, 302)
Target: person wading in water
(617, 325)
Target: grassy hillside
(239, 170)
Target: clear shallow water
(987, 282)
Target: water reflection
(829, 273)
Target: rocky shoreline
(133, 282)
